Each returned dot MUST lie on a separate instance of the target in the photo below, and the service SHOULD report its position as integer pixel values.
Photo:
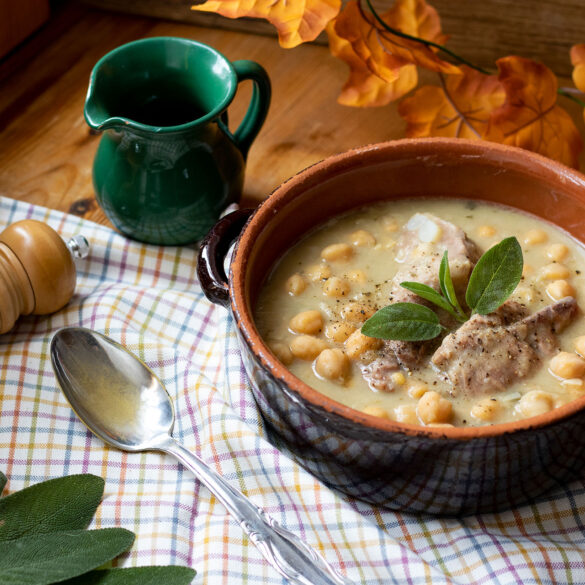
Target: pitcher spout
(96, 112)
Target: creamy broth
(323, 289)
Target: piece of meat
(489, 352)
(421, 245)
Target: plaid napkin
(148, 299)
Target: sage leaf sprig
(493, 279)
(44, 540)
(64, 503)
(403, 321)
(41, 559)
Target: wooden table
(46, 148)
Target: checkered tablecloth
(148, 299)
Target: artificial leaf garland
(296, 22)
(460, 107)
(43, 539)
(516, 104)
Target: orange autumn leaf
(296, 22)
(384, 52)
(460, 107)
(578, 62)
(530, 117)
(364, 88)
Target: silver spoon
(122, 402)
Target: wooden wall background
(480, 30)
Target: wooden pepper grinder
(37, 272)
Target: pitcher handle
(258, 108)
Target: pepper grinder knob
(37, 272)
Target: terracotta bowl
(400, 466)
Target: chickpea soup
(523, 359)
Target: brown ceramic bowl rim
(342, 162)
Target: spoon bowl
(116, 395)
(122, 402)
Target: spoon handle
(293, 558)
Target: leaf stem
(572, 93)
(441, 48)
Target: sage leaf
(430, 294)
(171, 575)
(403, 322)
(495, 276)
(65, 503)
(42, 559)
(3, 481)
(446, 284)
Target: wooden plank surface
(47, 150)
(479, 30)
(20, 19)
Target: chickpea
(567, 365)
(573, 384)
(579, 343)
(295, 285)
(486, 409)
(339, 331)
(559, 289)
(398, 379)
(535, 236)
(391, 225)
(433, 408)
(307, 347)
(318, 272)
(486, 231)
(333, 364)
(356, 312)
(557, 252)
(362, 238)
(357, 343)
(374, 410)
(406, 413)
(357, 276)
(282, 352)
(417, 389)
(337, 253)
(523, 294)
(534, 403)
(555, 271)
(309, 322)
(336, 287)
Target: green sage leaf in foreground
(42, 559)
(172, 575)
(3, 481)
(65, 503)
(495, 276)
(403, 322)
(430, 294)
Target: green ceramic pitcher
(167, 164)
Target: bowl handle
(214, 249)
